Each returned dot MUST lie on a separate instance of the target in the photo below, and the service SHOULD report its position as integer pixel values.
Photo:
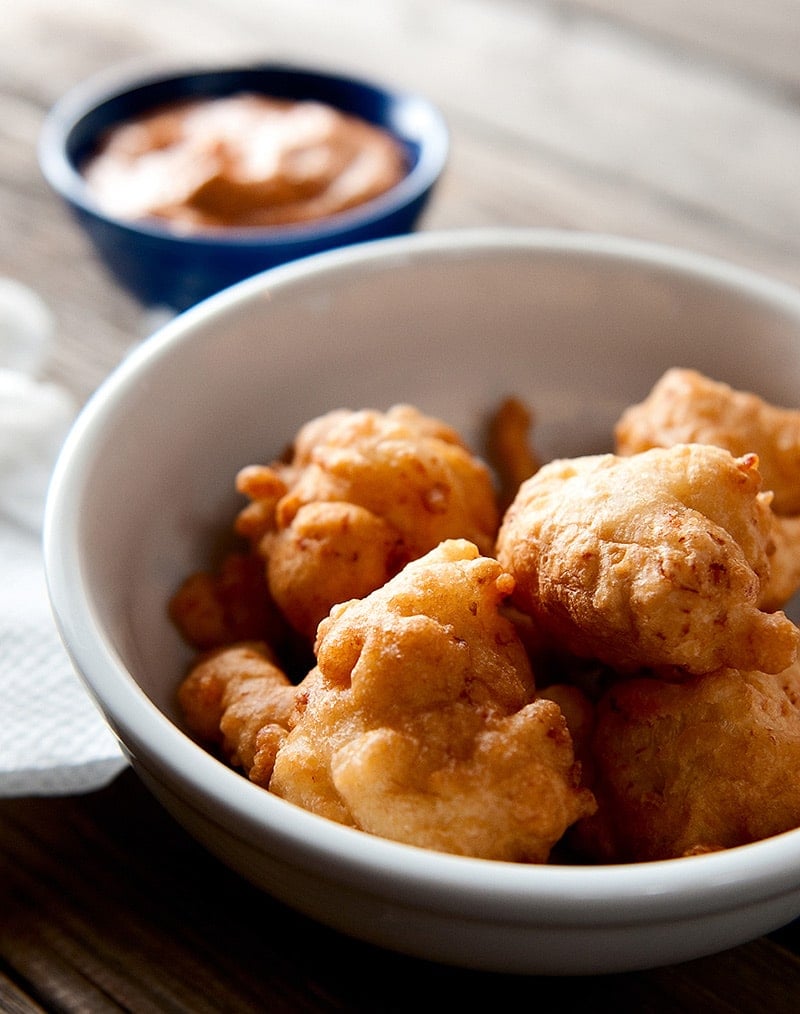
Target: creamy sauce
(241, 162)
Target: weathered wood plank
(760, 40)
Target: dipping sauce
(244, 161)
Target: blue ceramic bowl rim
(89, 97)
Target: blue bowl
(164, 268)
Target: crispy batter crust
(421, 724)
(361, 495)
(653, 560)
(239, 700)
(693, 767)
(686, 407)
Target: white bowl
(580, 325)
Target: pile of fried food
(583, 660)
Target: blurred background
(664, 119)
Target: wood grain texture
(669, 120)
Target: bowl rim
(551, 894)
(107, 86)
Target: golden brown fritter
(784, 563)
(508, 446)
(691, 767)
(213, 609)
(686, 407)
(361, 495)
(652, 560)
(578, 711)
(420, 723)
(239, 700)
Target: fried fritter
(214, 609)
(784, 563)
(686, 407)
(509, 448)
(693, 767)
(420, 723)
(238, 700)
(653, 560)
(578, 712)
(361, 495)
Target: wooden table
(672, 120)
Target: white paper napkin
(52, 738)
